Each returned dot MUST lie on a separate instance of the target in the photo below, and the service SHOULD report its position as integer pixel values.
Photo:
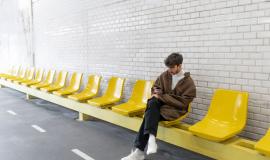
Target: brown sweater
(176, 100)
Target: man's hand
(155, 95)
(157, 91)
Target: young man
(172, 92)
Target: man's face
(174, 69)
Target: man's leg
(148, 129)
(150, 123)
(141, 139)
(140, 143)
(152, 116)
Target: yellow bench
(263, 146)
(90, 90)
(226, 116)
(14, 73)
(9, 72)
(28, 76)
(74, 86)
(20, 75)
(137, 102)
(48, 81)
(112, 94)
(37, 79)
(58, 84)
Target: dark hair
(173, 59)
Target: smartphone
(157, 90)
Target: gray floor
(98, 139)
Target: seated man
(172, 92)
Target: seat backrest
(50, 76)
(16, 71)
(26, 72)
(75, 81)
(141, 91)
(229, 106)
(93, 84)
(30, 73)
(23, 73)
(115, 87)
(61, 79)
(39, 74)
(267, 135)
(11, 70)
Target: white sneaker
(152, 145)
(135, 155)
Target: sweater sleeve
(156, 84)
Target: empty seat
(90, 90)
(48, 81)
(9, 72)
(226, 116)
(112, 95)
(22, 74)
(58, 84)
(263, 145)
(38, 78)
(73, 87)
(137, 103)
(178, 120)
(14, 73)
(28, 76)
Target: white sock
(152, 145)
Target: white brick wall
(15, 34)
(225, 43)
(13, 38)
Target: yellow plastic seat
(112, 95)
(28, 76)
(8, 73)
(59, 83)
(74, 86)
(38, 78)
(263, 146)
(226, 116)
(137, 102)
(14, 73)
(22, 73)
(90, 90)
(178, 120)
(48, 81)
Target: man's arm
(180, 101)
(157, 89)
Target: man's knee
(152, 101)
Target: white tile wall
(13, 41)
